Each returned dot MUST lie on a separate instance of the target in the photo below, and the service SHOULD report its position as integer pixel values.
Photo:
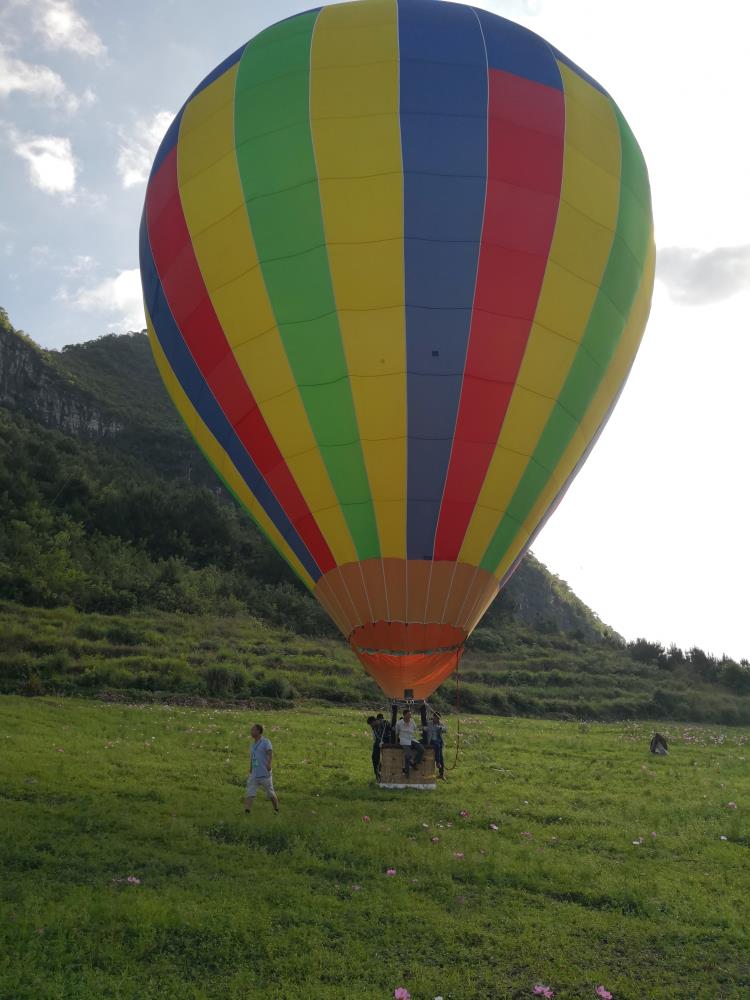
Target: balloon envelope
(397, 258)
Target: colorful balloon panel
(397, 258)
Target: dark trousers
(438, 748)
(413, 755)
(376, 759)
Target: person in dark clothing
(658, 745)
(433, 737)
(387, 730)
(378, 727)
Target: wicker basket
(392, 769)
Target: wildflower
(365, 819)
(133, 880)
(604, 994)
(401, 993)
(459, 855)
(464, 813)
(540, 990)
(731, 805)
(722, 837)
(526, 834)
(438, 998)
(494, 826)
(653, 833)
(390, 871)
(356, 887)
(638, 842)
(434, 839)
(426, 826)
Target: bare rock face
(30, 384)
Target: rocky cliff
(31, 384)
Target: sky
(653, 534)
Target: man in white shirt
(261, 765)
(406, 731)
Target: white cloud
(41, 82)
(118, 299)
(138, 145)
(52, 165)
(62, 27)
(697, 277)
(81, 264)
(16, 75)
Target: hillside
(123, 438)
(107, 507)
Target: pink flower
(526, 834)
(401, 993)
(604, 994)
(133, 880)
(464, 813)
(459, 855)
(494, 826)
(390, 871)
(540, 990)
(653, 833)
(365, 819)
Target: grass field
(128, 869)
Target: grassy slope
(512, 671)
(299, 906)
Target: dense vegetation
(508, 670)
(129, 870)
(136, 524)
(92, 526)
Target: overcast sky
(653, 533)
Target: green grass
(230, 906)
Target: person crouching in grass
(261, 765)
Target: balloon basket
(392, 770)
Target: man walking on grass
(261, 764)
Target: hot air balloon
(397, 258)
